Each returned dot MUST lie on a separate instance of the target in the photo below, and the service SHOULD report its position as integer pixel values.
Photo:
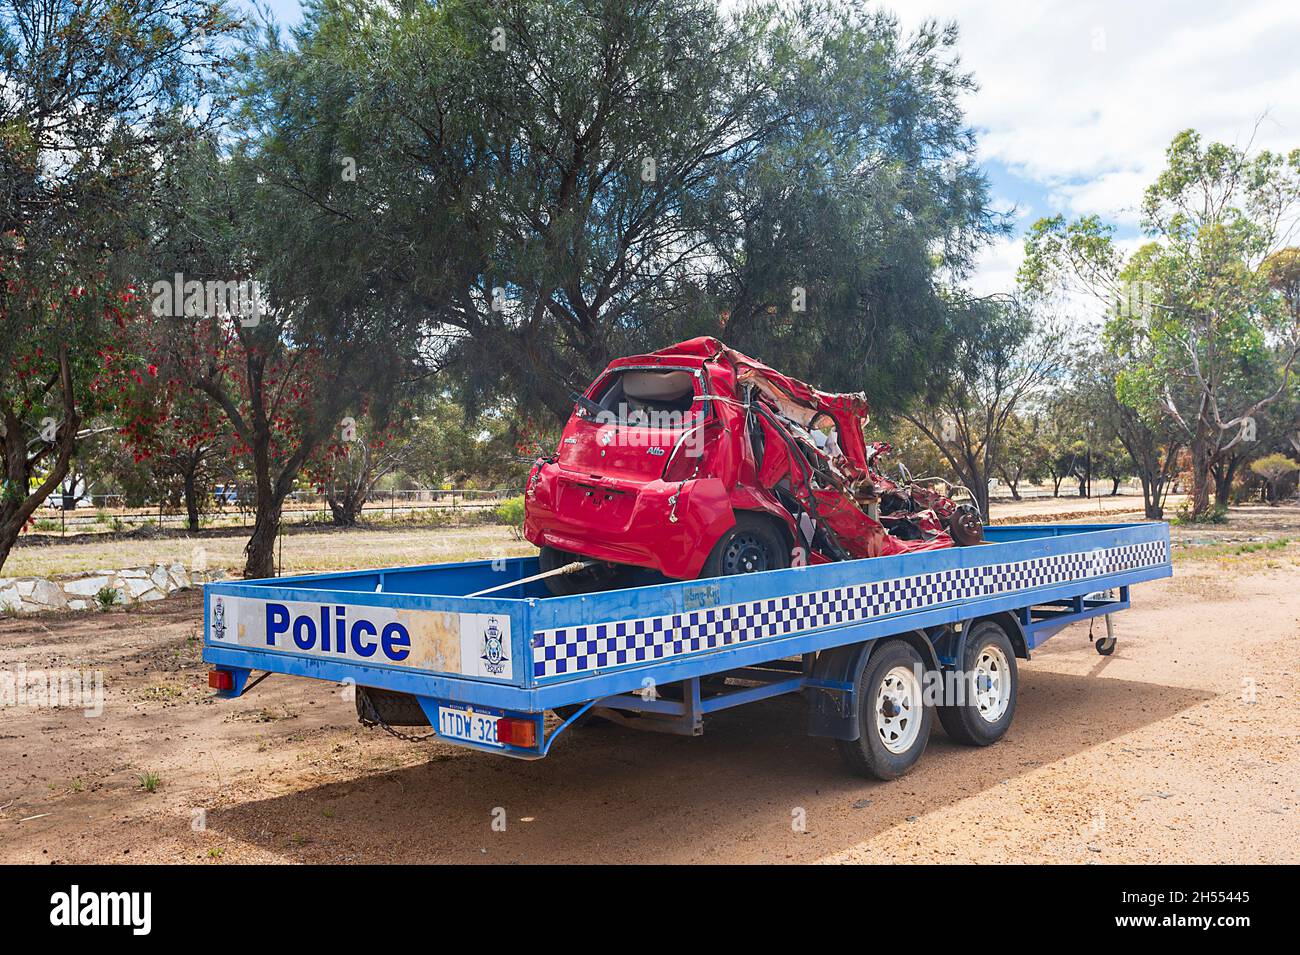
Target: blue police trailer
(879, 647)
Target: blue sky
(1078, 100)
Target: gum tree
(1203, 332)
(1002, 357)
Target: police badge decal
(218, 620)
(494, 648)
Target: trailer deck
(484, 670)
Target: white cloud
(995, 269)
(1083, 98)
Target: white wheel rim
(992, 679)
(898, 709)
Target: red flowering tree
(92, 96)
(63, 368)
(174, 431)
(274, 397)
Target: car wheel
(750, 547)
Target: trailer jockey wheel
(1106, 645)
(893, 718)
(965, 526)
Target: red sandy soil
(1182, 747)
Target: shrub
(106, 597)
(1217, 514)
(511, 513)
(1273, 468)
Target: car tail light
(684, 463)
(221, 680)
(517, 732)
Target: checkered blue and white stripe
(581, 649)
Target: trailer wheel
(989, 688)
(893, 720)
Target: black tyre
(754, 544)
(893, 721)
(591, 580)
(395, 709)
(989, 689)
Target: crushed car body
(698, 461)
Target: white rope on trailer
(558, 571)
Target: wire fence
(105, 513)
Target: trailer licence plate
(468, 726)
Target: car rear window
(651, 398)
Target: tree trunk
(980, 489)
(345, 509)
(1114, 486)
(260, 549)
(1151, 506)
(9, 531)
(192, 497)
(1224, 472)
(1201, 479)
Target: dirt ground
(1182, 747)
(301, 550)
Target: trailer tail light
(221, 680)
(517, 732)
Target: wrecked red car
(698, 461)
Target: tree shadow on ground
(607, 794)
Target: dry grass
(315, 550)
(327, 549)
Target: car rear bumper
(667, 527)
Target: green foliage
(1214, 514)
(92, 92)
(107, 597)
(1003, 358)
(1202, 319)
(448, 448)
(550, 185)
(511, 513)
(1273, 468)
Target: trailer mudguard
(832, 699)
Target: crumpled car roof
(795, 399)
